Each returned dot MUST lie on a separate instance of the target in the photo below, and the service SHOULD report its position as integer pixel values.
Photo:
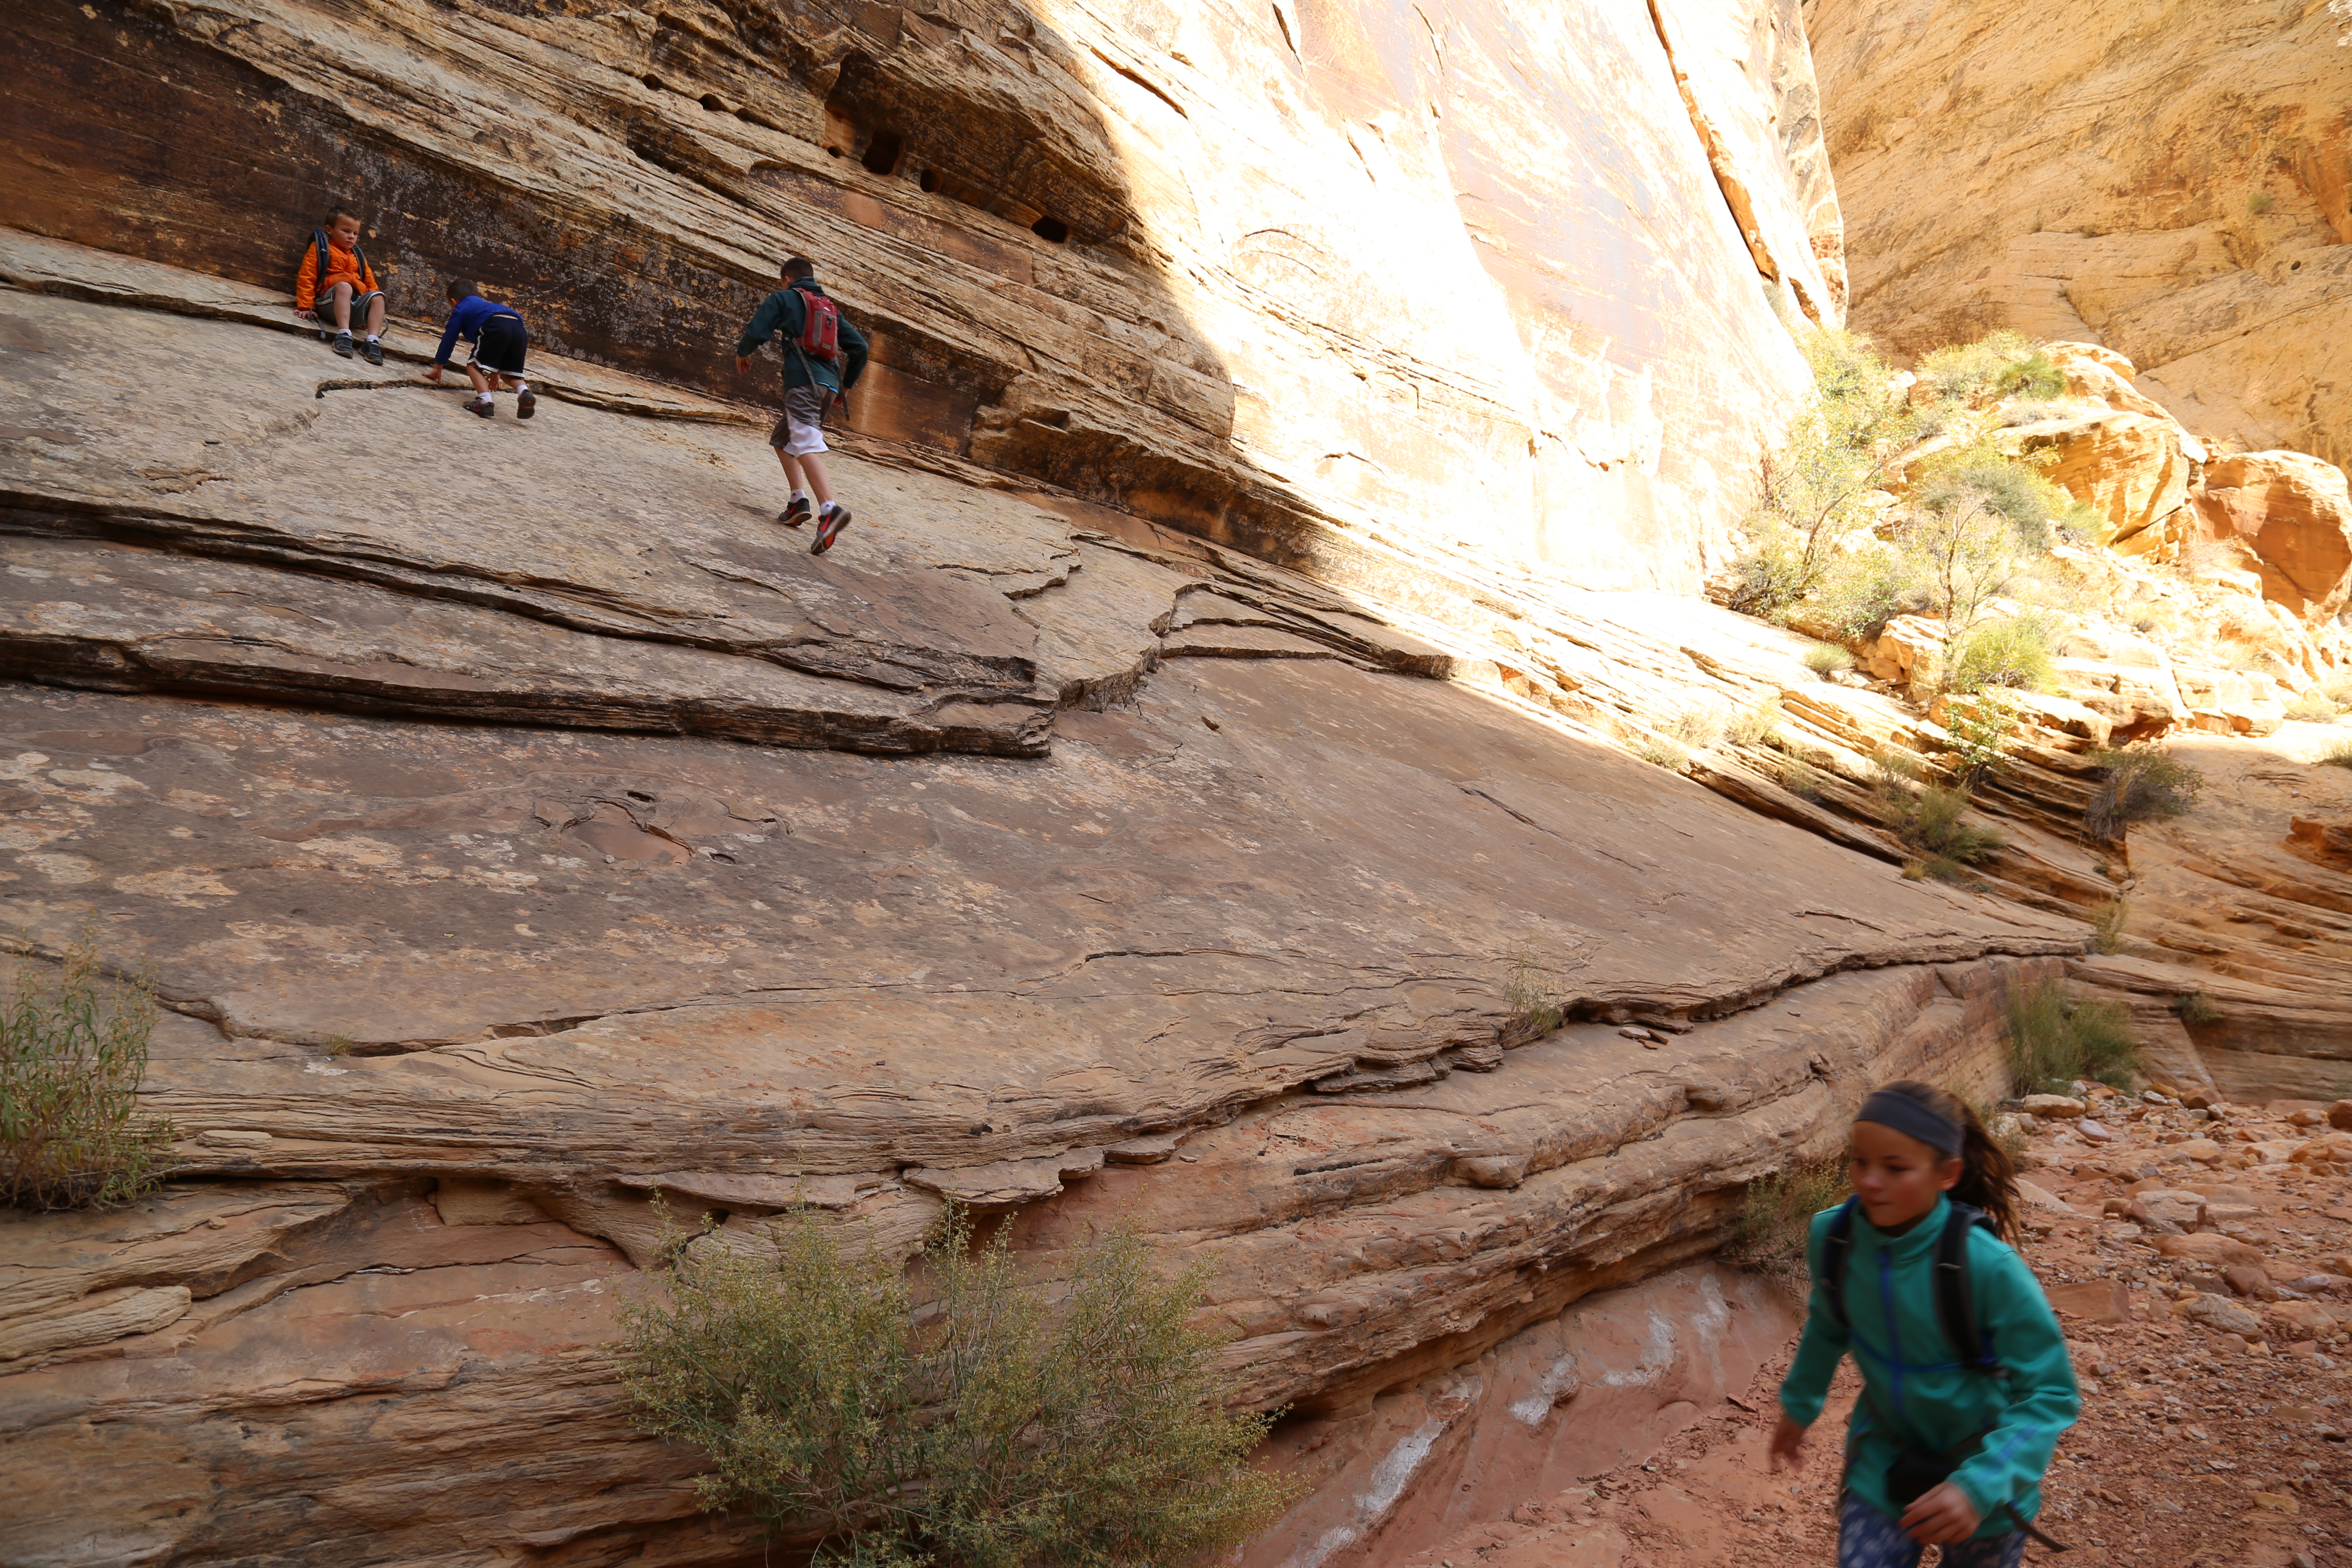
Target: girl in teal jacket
(1949, 1442)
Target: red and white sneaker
(797, 512)
(829, 524)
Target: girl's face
(1897, 1177)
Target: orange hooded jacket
(342, 267)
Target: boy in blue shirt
(499, 340)
(824, 357)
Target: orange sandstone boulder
(2294, 513)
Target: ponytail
(1988, 1179)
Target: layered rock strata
(1285, 273)
(2171, 183)
(1102, 870)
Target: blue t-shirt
(466, 319)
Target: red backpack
(820, 328)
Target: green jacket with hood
(1915, 1376)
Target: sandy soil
(2198, 1447)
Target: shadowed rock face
(1283, 273)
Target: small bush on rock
(73, 1047)
(1535, 1011)
(1999, 364)
(1818, 488)
(988, 1430)
(1826, 660)
(1759, 726)
(2004, 485)
(2137, 783)
(2055, 1038)
(1931, 820)
(2017, 652)
(2107, 926)
(2312, 708)
(2337, 755)
(1769, 1238)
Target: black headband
(1912, 1119)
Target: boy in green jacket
(824, 357)
(1949, 1442)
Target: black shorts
(504, 339)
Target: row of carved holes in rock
(884, 151)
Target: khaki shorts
(801, 432)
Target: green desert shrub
(2197, 1008)
(1982, 725)
(1768, 1236)
(985, 1426)
(1999, 364)
(73, 1047)
(2107, 925)
(2007, 486)
(2016, 651)
(1817, 489)
(1801, 778)
(1528, 992)
(2338, 755)
(2040, 410)
(2312, 708)
(2137, 783)
(1757, 726)
(1827, 659)
(2055, 1037)
(1931, 820)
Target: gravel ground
(2202, 1260)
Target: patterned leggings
(1868, 1539)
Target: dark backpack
(1955, 1305)
(319, 260)
(820, 328)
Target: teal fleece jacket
(1915, 1376)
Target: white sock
(373, 338)
(799, 494)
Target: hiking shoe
(343, 344)
(372, 352)
(480, 403)
(526, 403)
(828, 527)
(796, 513)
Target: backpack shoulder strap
(318, 256)
(1955, 1301)
(1837, 1248)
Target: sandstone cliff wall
(1472, 278)
(2168, 178)
(499, 854)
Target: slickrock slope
(501, 852)
(1274, 271)
(2171, 180)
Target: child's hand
(742, 364)
(1789, 1446)
(306, 315)
(1941, 1516)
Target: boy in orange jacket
(335, 282)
